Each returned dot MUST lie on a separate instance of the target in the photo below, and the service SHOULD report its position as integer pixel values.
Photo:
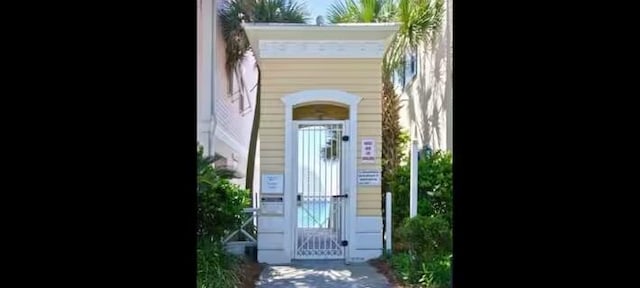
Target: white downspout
(212, 116)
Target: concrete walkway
(314, 274)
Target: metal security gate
(321, 203)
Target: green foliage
(425, 252)
(418, 19)
(437, 272)
(352, 11)
(435, 187)
(428, 260)
(220, 205)
(216, 268)
(234, 12)
(220, 202)
(428, 236)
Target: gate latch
(344, 243)
(341, 196)
(345, 138)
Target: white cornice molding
(321, 48)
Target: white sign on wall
(272, 183)
(272, 205)
(368, 151)
(369, 177)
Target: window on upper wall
(411, 67)
(398, 77)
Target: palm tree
(418, 20)
(232, 14)
(363, 11)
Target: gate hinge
(344, 243)
(345, 138)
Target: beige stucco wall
(428, 99)
(361, 77)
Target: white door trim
(328, 95)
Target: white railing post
(388, 226)
(413, 197)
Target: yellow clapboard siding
(271, 145)
(370, 196)
(364, 110)
(272, 117)
(271, 106)
(272, 153)
(333, 81)
(370, 98)
(367, 204)
(271, 161)
(272, 140)
(271, 124)
(369, 65)
(370, 132)
(370, 117)
(361, 77)
(271, 169)
(349, 88)
(271, 110)
(368, 124)
(369, 190)
(271, 131)
(369, 212)
(340, 73)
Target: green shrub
(404, 267)
(436, 272)
(216, 268)
(425, 241)
(435, 188)
(428, 260)
(428, 236)
(220, 202)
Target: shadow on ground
(322, 274)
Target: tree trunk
(391, 143)
(253, 141)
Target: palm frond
(234, 12)
(362, 11)
(340, 12)
(419, 19)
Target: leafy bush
(435, 187)
(220, 202)
(404, 268)
(427, 261)
(216, 268)
(425, 241)
(428, 236)
(437, 272)
(220, 205)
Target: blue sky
(317, 7)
